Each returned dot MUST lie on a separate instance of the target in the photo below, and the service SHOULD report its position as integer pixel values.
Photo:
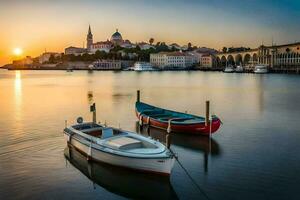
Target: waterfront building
(172, 60)
(46, 56)
(208, 60)
(101, 46)
(275, 56)
(108, 65)
(203, 51)
(75, 51)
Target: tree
(224, 50)
(151, 40)
(189, 46)
(137, 48)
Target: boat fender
(169, 126)
(141, 120)
(148, 121)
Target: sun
(18, 51)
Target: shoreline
(271, 71)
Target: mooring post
(138, 96)
(207, 113)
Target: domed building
(116, 38)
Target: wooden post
(94, 116)
(93, 109)
(137, 96)
(207, 113)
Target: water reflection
(18, 95)
(260, 87)
(208, 146)
(126, 183)
(193, 142)
(90, 97)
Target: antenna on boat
(138, 96)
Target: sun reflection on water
(18, 95)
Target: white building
(173, 60)
(127, 44)
(75, 51)
(101, 46)
(46, 56)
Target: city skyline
(35, 26)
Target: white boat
(261, 69)
(91, 67)
(120, 148)
(229, 69)
(143, 66)
(239, 68)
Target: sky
(39, 25)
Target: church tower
(89, 39)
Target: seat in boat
(107, 133)
(125, 143)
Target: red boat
(173, 121)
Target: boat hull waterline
(193, 125)
(159, 163)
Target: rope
(187, 173)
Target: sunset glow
(17, 51)
(212, 24)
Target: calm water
(255, 154)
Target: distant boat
(91, 67)
(176, 121)
(120, 148)
(69, 70)
(143, 66)
(229, 69)
(261, 69)
(239, 69)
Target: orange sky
(53, 25)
